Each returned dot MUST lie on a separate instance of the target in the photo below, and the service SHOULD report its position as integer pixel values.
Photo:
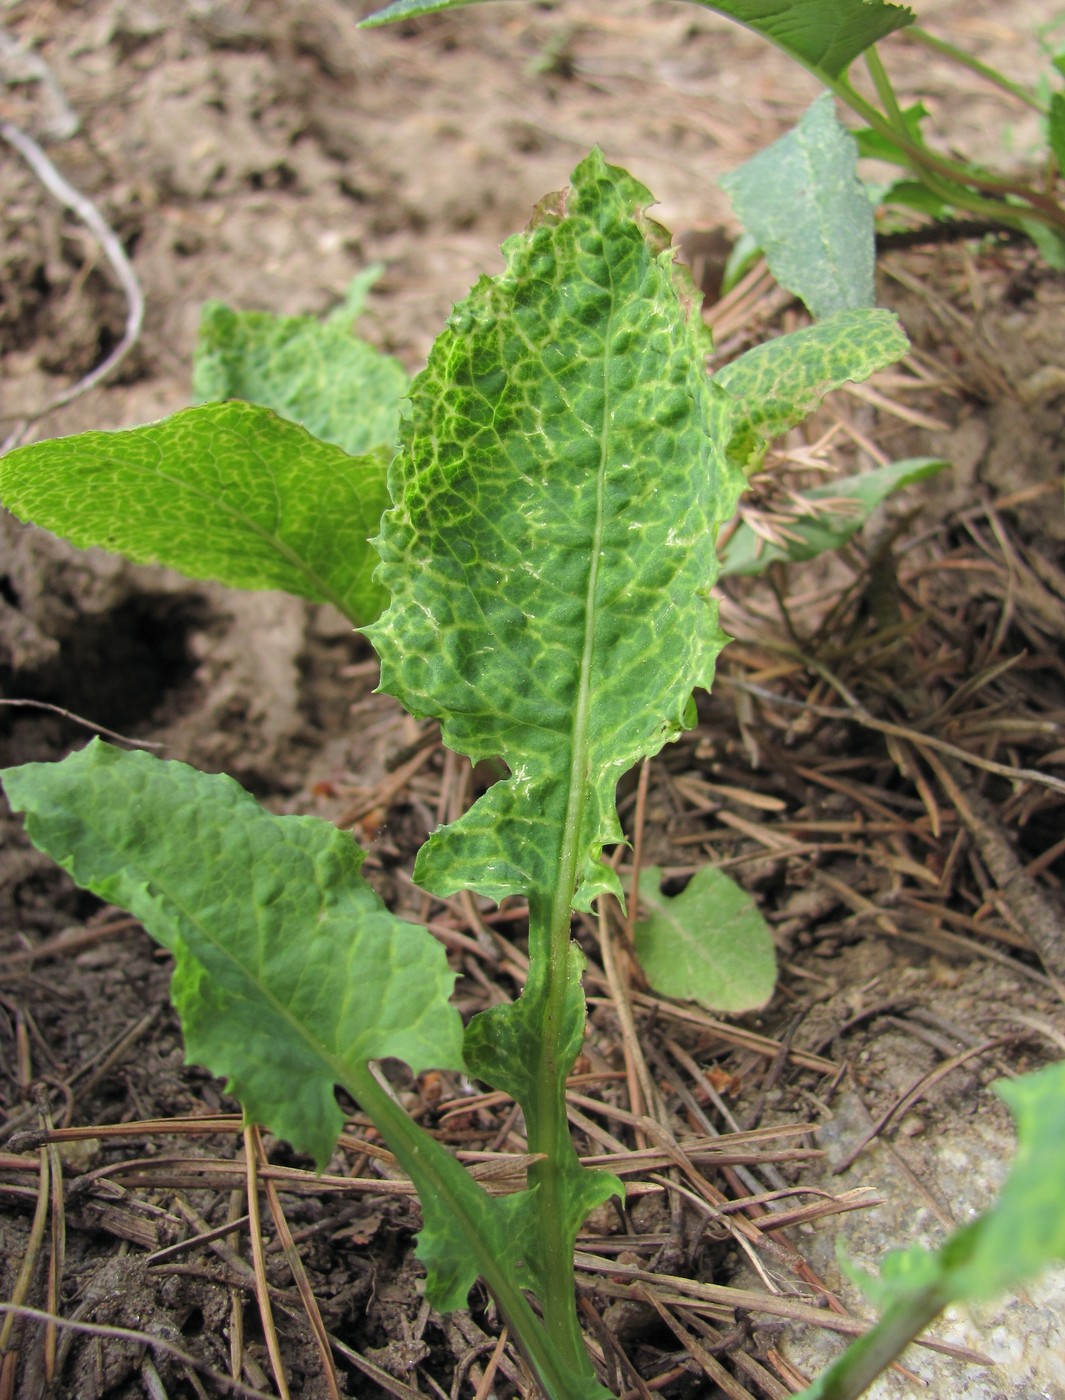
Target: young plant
(564, 465)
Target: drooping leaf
(824, 35)
(271, 923)
(550, 550)
(778, 384)
(802, 201)
(226, 491)
(836, 510)
(708, 944)
(1022, 1233)
(313, 372)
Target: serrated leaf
(708, 944)
(312, 372)
(1022, 1233)
(226, 491)
(837, 510)
(550, 551)
(824, 35)
(802, 201)
(778, 384)
(290, 969)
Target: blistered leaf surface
(708, 944)
(777, 384)
(803, 203)
(290, 971)
(551, 547)
(226, 491)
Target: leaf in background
(802, 201)
(1022, 1233)
(708, 944)
(825, 35)
(271, 923)
(778, 384)
(551, 548)
(826, 527)
(226, 491)
(312, 372)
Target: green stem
(992, 75)
(852, 1373)
(550, 973)
(933, 169)
(433, 1170)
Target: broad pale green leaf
(312, 372)
(551, 547)
(290, 969)
(802, 201)
(837, 509)
(1022, 1233)
(776, 385)
(226, 491)
(708, 944)
(290, 974)
(824, 35)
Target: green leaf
(551, 549)
(227, 491)
(290, 977)
(802, 201)
(776, 385)
(825, 35)
(836, 511)
(708, 944)
(1022, 1233)
(312, 372)
(290, 971)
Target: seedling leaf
(837, 510)
(776, 385)
(551, 547)
(312, 372)
(291, 973)
(226, 491)
(708, 944)
(1019, 1235)
(802, 201)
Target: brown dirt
(265, 154)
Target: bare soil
(867, 765)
